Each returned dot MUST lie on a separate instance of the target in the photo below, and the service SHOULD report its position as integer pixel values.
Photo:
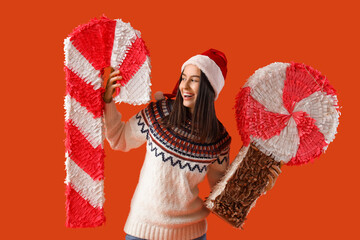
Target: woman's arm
(121, 135)
(217, 169)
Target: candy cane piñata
(88, 50)
(285, 112)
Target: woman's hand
(274, 173)
(111, 85)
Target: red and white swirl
(289, 111)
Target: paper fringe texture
(244, 182)
(88, 50)
(288, 111)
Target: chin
(188, 105)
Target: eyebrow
(191, 75)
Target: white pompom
(159, 96)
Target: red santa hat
(213, 64)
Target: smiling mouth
(187, 96)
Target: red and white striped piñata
(289, 111)
(88, 50)
(285, 112)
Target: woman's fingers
(114, 73)
(114, 80)
(272, 176)
(109, 92)
(113, 87)
(270, 183)
(112, 83)
(276, 169)
(114, 76)
(274, 172)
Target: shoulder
(155, 111)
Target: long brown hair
(204, 123)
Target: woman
(185, 141)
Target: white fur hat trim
(210, 69)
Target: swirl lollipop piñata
(286, 112)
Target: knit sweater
(166, 204)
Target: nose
(186, 83)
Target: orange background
(315, 201)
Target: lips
(187, 96)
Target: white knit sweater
(166, 204)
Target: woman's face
(189, 86)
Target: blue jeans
(129, 237)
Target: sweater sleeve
(121, 135)
(217, 169)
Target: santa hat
(213, 64)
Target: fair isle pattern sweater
(166, 205)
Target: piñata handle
(244, 182)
